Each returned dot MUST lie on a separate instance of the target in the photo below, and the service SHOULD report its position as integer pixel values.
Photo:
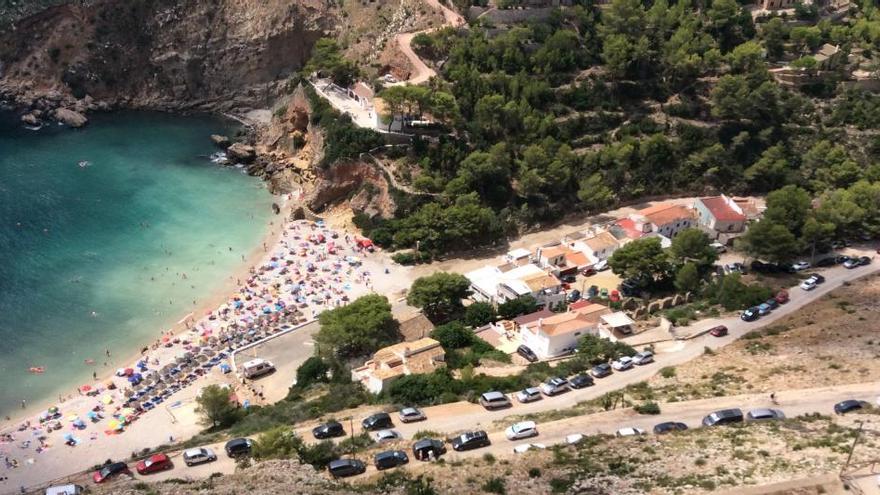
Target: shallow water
(94, 256)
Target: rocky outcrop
(30, 119)
(241, 153)
(220, 141)
(70, 117)
(362, 183)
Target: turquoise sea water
(92, 258)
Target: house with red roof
(720, 214)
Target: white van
(257, 367)
(65, 490)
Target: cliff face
(172, 54)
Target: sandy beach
(299, 269)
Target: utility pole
(351, 433)
(852, 449)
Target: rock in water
(70, 118)
(30, 119)
(241, 153)
(220, 141)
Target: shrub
(495, 485)
(648, 408)
(412, 257)
(489, 458)
(534, 473)
(667, 371)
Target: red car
(109, 471)
(154, 464)
(781, 297)
(719, 331)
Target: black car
(818, 278)
(601, 370)
(723, 417)
(864, 261)
(574, 295)
(569, 279)
(471, 440)
(826, 262)
(341, 468)
(669, 427)
(761, 267)
(329, 429)
(238, 447)
(581, 381)
(108, 471)
(427, 448)
(750, 314)
(849, 405)
(630, 288)
(390, 459)
(378, 421)
(527, 353)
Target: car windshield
(104, 472)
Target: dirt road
(421, 72)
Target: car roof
(389, 453)
(426, 442)
(494, 395)
(763, 411)
(195, 451)
(532, 390)
(236, 441)
(409, 410)
(342, 462)
(522, 425)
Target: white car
(623, 363)
(386, 436)
(808, 284)
(643, 357)
(554, 386)
(530, 394)
(523, 429)
(800, 266)
(411, 414)
(523, 448)
(630, 432)
(602, 265)
(199, 455)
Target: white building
(560, 333)
(491, 284)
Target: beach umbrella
(107, 399)
(68, 437)
(72, 417)
(85, 388)
(91, 415)
(79, 423)
(53, 410)
(114, 424)
(127, 411)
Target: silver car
(764, 413)
(411, 414)
(530, 394)
(386, 436)
(199, 455)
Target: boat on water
(84, 163)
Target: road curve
(421, 72)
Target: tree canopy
(358, 329)
(439, 295)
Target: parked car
(826, 262)
(719, 331)
(800, 266)
(764, 413)
(573, 295)
(849, 406)
(530, 394)
(523, 429)
(622, 364)
(378, 421)
(808, 284)
(750, 314)
(601, 370)
(718, 247)
(390, 459)
(580, 381)
(764, 309)
(343, 468)
(411, 415)
(569, 279)
(494, 400)
(851, 263)
(734, 268)
(382, 436)
(154, 464)
(471, 440)
(669, 427)
(773, 303)
(525, 447)
(630, 288)
(723, 417)
(643, 358)
(238, 447)
(110, 471)
(329, 429)
(630, 432)
(198, 455)
(527, 353)
(761, 267)
(781, 296)
(864, 261)
(555, 385)
(70, 489)
(818, 279)
(601, 265)
(589, 271)
(427, 448)
(839, 244)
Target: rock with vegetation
(241, 153)
(219, 141)
(70, 118)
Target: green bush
(667, 371)
(648, 408)
(495, 485)
(412, 257)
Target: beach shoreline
(271, 237)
